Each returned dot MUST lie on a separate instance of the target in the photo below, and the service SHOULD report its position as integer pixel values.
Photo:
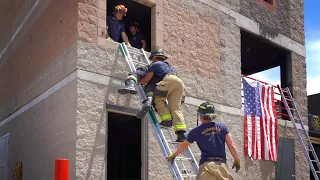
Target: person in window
(115, 26)
(137, 40)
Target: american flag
(260, 121)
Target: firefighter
(133, 79)
(115, 26)
(168, 87)
(137, 40)
(211, 138)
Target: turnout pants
(213, 171)
(171, 88)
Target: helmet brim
(160, 56)
(210, 115)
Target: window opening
(136, 13)
(269, 1)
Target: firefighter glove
(171, 158)
(236, 164)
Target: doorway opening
(258, 55)
(285, 167)
(136, 13)
(124, 152)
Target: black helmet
(158, 52)
(207, 109)
(135, 24)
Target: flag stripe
(253, 147)
(274, 125)
(249, 136)
(271, 125)
(245, 135)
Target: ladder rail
(298, 132)
(188, 151)
(305, 131)
(151, 116)
(142, 96)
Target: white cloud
(313, 85)
(313, 66)
(270, 76)
(313, 45)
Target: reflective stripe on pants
(174, 87)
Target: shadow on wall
(265, 31)
(266, 167)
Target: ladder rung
(313, 160)
(288, 99)
(173, 142)
(189, 175)
(293, 109)
(310, 150)
(317, 171)
(140, 63)
(183, 159)
(135, 51)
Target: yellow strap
(202, 107)
(166, 117)
(133, 77)
(180, 127)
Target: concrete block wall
(204, 46)
(287, 19)
(49, 35)
(44, 133)
(104, 91)
(202, 42)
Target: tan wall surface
(57, 69)
(204, 46)
(202, 43)
(53, 32)
(93, 57)
(43, 133)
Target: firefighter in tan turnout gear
(168, 87)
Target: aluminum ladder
(304, 138)
(178, 169)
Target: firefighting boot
(181, 135)
(147, 104)
(130, 87)
(167, 123)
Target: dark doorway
(285, 167)
(136, 13)
(124, 147)
(259, 54)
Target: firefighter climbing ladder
(304, 138)
(178, 168)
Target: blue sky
(312, 40)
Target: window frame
(270, 4)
